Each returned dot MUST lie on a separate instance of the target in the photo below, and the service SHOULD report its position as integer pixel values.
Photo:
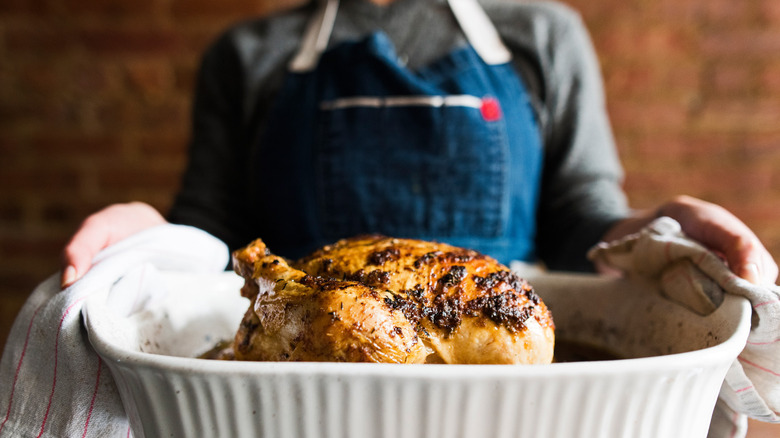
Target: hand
(101, 230)
(716, 228)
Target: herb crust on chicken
(382, 299)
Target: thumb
(79, 252)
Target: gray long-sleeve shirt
(241, 73)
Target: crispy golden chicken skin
(380, 299)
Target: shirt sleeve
(210, 196)
(581, 194)
(581, 190)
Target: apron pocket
(427, 166)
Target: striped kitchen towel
(52, 383)
(693, 276)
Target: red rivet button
(490, 109)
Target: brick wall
(693, 89)
(94, 109)
(95, 95)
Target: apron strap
(473, 20)
(480, 32)
(315, 40)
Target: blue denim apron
(358, 143)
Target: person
(482, 126)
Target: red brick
(770, 11)
(651, 78)
(40, 112)
(671, 151)
(150, 78)
(195, 40)
(57, 146)
(16, 115)
(27, 246)
(651, 186)
(11, 146)
(733, 78)
(38, 78)
(185, 74)
(170, 114)
(92, 79)
(764, 148)
(675, 11)
(727, 13)
(163, 146)
(11, 212)
(769, 80)
(762, 216)
(59, 112)
(742, 43)
(43, 178)
(150, 177)
(730, 115)
(128, 41)
(631, 40)
(227, 8)
(716, 148)
(38, 38)
(114, 8)
(116, 114)
(598, 13)
(25, 7)
(651, 116)
(131, 113)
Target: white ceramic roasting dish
(667, 388)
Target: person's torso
(366, 143)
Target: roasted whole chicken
(381, 299)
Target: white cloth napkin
(52, 383)
(696, 278)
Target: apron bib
(357, 143)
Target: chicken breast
(381, 299)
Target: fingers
(92, 236)
(101, 230)
(753, 262)
(744, 253)
(721, 231)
